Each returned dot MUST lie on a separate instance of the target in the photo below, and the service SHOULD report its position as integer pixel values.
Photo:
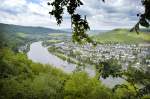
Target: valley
(54, 55)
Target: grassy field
(57, 34)
(54, 41)
(23, 35)
(122, 36)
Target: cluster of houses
(126, 54)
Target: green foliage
(59, 5)
(79, 25)
(144, 18)
(146, 97)
(14, 40)
(20, 78)
(57, 52)
(80, 86)
(109, 68)
(126, 93)
(137, 80)
(14, 36)
(138, 77)
(122, 36)
(8, 28)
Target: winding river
(40, 54)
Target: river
(40, 54)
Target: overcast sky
(101, 16)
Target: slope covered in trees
(8, 28)
(15, 36)
(123, 36)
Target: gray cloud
(109, 15)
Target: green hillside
(9, 28)
(122, 36)
(14, 36)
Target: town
(136, 55)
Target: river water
(40, 54)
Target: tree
(80, 25)
(144, 18)
(80, 86)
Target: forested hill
(123, 36)
(9, 28)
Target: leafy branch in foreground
(80, 26)
(136, 79)
(109, 68)
(144, 19)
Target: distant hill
(145, 30)
(9, 28)
(123, 36)
(15, 36)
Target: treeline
(13, 40)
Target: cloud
(109, 15)
(112, 14)
(12, 3)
